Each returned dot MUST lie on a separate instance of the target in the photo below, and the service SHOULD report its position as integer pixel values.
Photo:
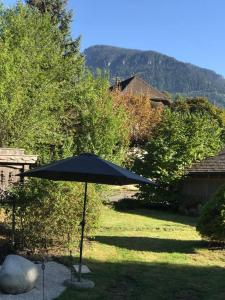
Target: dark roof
(138, 86)
(210, 165)
(123, 84)
(164, 101)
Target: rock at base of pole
(83, 284)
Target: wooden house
(205, 178)
(137, 86)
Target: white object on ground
(81, 285)
(17, 275)
(55, 275)
(84, 269)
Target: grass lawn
(143, 254)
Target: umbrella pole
(13, 222)
(82, 232)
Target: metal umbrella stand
(86, 168)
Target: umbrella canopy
(87, 168)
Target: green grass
(144, 254)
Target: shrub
(211, 224)
(49, 213)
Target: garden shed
(205, 178)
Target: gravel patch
(55, 274)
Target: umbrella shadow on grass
(157, 281)
(151, 244)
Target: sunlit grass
(144, 254)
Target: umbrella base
(84, 269)
(83, 284)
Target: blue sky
(189, 30)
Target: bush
(49, 213)
(211, 224)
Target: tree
(199, 105)
(37, 82)
(57, 10)
(49, 104)
(101, 126)
(143, 117)
(179, 140)
(60, 17)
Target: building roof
(209, 166)
(138, 86)
(10, 156)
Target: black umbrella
(86, 168)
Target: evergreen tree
(57, 10)
(60, 16)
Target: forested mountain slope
(161, 71)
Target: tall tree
(57, 10)
(51, 106)
(102, 125)
(61, 17)
(48, 102)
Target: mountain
(163, 72)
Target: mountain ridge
(161, 71)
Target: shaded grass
(157, 245)
(142, 208)
(152, 281)
(151, 255)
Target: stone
(81, 285)
(17, 275)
